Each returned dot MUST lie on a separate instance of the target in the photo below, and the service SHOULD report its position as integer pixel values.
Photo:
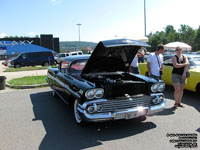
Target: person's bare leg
(181, 92)
(176, 92)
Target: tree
(197, 39)
(170, 34)
(185, 34)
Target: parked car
(43, 58)
(60, 56)
(193, 82)
(101, 88)
(5, 63)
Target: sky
(99, 19)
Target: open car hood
(113, 55)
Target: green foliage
(28, 80)
(185, 34)
(26, 68)
(67, 46)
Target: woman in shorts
(180, 66)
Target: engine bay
(119, 84)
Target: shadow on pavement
(198, 130)
(189, 98)
(63, 133)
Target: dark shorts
(176, 78)
(140, 59)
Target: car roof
(188, 55)
(35, 52)
(124, 42)
(75, 57)
(192, 55)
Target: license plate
(130, 115)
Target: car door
(24, 59)
(167, 71)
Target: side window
(74, 53)
(77, 66)
(64, 66)
(34, 55)
(24, 56)
(62, 55)
(168, 62)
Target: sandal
(181, 105)
(175, 106)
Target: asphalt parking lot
(34, 119)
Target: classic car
(192, 83)
(101, 88)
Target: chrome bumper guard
(122, 114)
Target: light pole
(144, 18)
(79, 35)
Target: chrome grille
(126, 103)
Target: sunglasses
(178, 49)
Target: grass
(26, 68)
(28, 80)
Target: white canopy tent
(173, 45)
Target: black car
(43, 58)
(100, 86)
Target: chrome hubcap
(76, 113)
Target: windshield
(195, 61)
(78, 65)
(57, 55)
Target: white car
(59, 56)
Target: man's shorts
(176, 78)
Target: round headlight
(154, 87)
(99, 93)
(161, 87)
(155, 101)
(99, 108)
(90, 94)
(91, 109)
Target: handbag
(187, 73)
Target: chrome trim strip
(91, 102)
(157, 94)
(64, 85)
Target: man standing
(155, 63)
(134, 64)
(142, 51)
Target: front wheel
(198, 89)
(17, 66)
(54, 93)
(78, 118)
(46, 64)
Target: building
(14, 46)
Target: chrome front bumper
(122, 114)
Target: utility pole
(79, 35)
(144, 18)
